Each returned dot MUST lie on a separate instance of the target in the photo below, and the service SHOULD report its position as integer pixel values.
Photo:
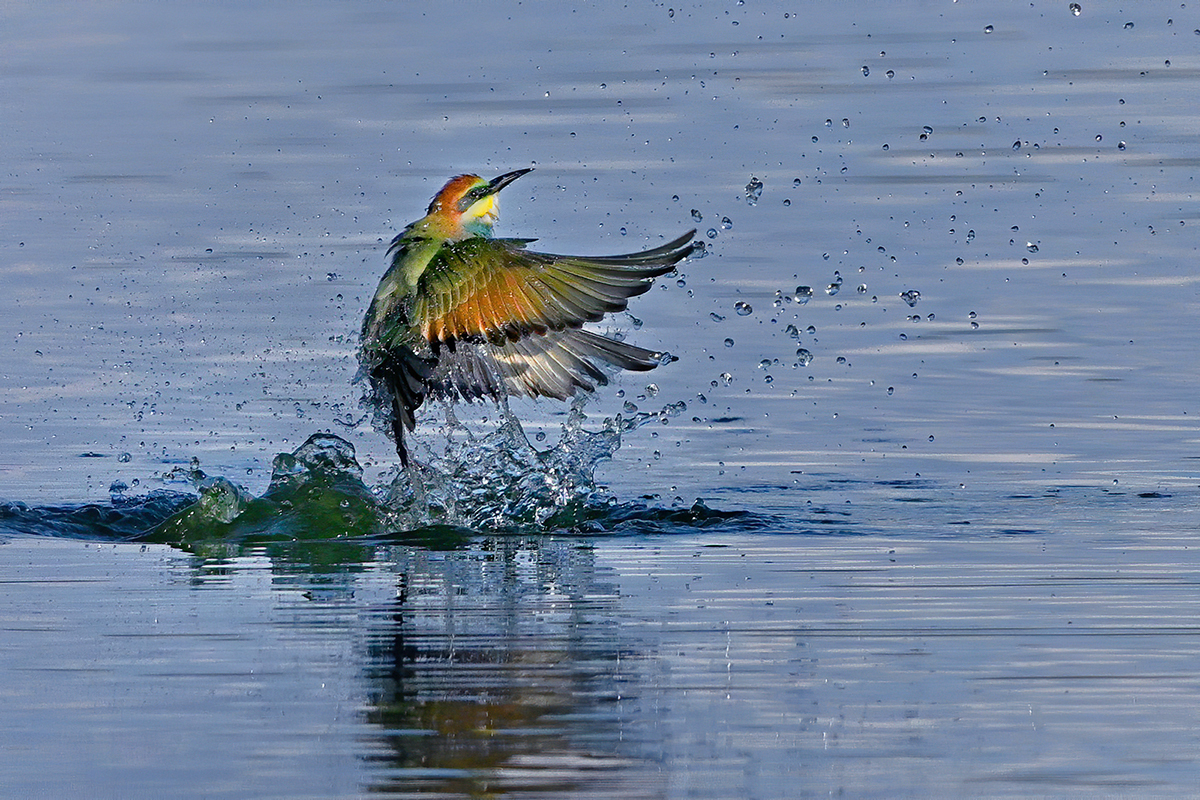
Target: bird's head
(466, 205)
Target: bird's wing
(494, 290)
(552, 365)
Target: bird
(459, 314)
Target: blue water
(912, 514)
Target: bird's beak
(496, 184)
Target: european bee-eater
(459, 314)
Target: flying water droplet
(1031, 247)
(726, 223)
(803, 294)
(696, 215)
(803, 357)
(754, 190)
(743, 309)
(729, 342)
(911, 297)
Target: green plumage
(479, 317)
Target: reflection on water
(504, 672)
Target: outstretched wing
(555, 364)
(494, 290)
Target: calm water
(947, 550)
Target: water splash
(496, 482)
(316, 492)
(500, 482)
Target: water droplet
(1120, 146)
(866, 70)
(891, 73)
(715, 317)
(712, 233)
(792, 331)
(124, 458)
(729, 342)
(834, 287)
(811, 330)
(970, 235)
(1031, 247)
(1016, 145)
(988, 28)
(927, 130)
(1099, 137)
(795, 182)
(764, 364)
(787, 202)
(911, 297)
(803, 357)
(624, 232)
(696, 215)
(726, 223)
(803, 294)
(726, 378)
(1128, 26)
(754, 190)
(743, 309)
(845, 123)
(1076, 9)
(862, 288)
(891, 390)
(841, 359)
(652, 390)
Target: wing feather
(484, 289)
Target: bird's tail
(403, 376)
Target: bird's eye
(469, 199)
